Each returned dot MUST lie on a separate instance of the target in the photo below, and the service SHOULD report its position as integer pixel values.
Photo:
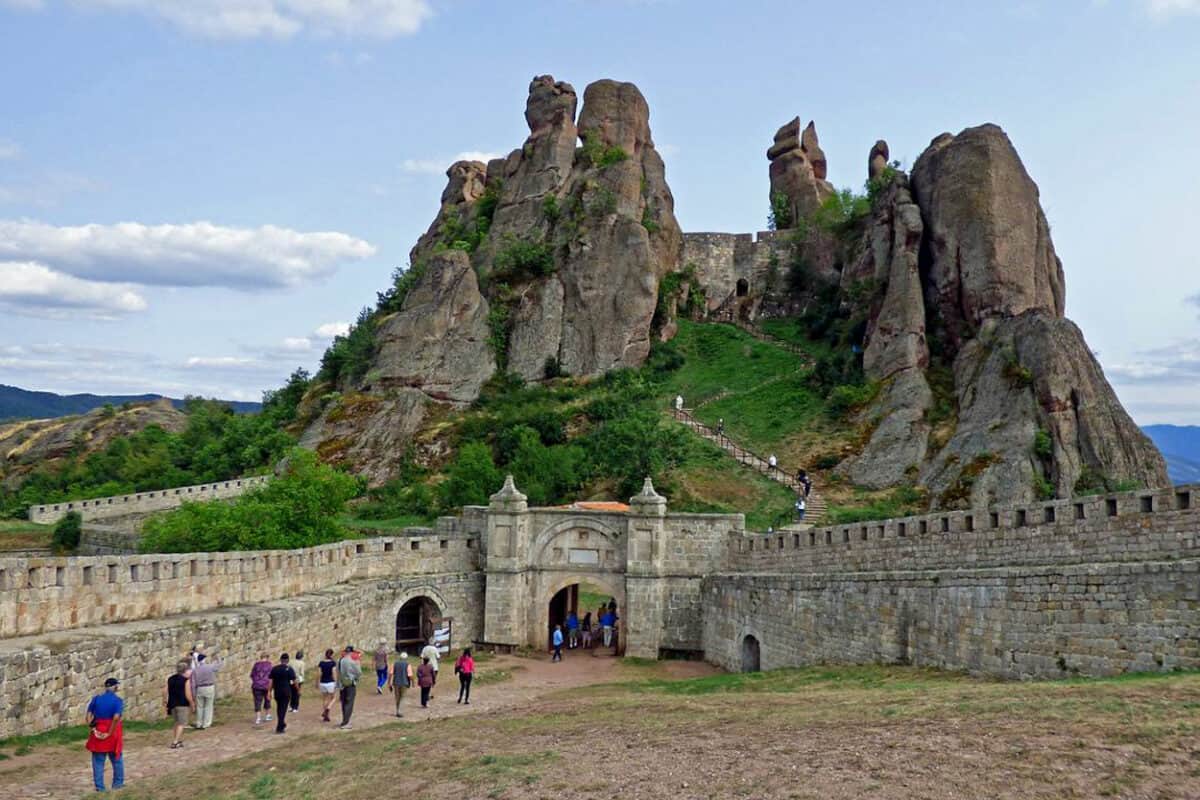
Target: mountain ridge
(17, 403)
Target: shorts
(180, 714)
(328, 688)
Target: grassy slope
(18, 534)
(820, 732)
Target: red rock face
(989, 248)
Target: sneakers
(267, 718)
(345, 727)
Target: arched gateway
(537, 560)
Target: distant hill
(1180, 446)
(17, 403)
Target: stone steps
(782, 475)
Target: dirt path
(65, 772)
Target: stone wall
(722, 259)
(142, 502)
(46, 681)
(38, 595)
(1130, 526)
(1095, 586)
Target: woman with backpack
(402, 678)
(464, 668)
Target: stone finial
(877, 160)
(509, 498)
(648, 501)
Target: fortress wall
(720, 259)
(1125, 527)
(142, 502)
(46, 681)
(1025, 622)
(38, 595)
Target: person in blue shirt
(572, 630)
(608, 621)
(106, 739)
(557, 640)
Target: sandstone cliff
(966, 280)
(542, 263)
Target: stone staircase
(781, 474)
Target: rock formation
(797, 172)
(967, 254)
(546, 260)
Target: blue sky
(195, 195)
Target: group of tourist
(191, 691)
(579, 631)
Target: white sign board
(577, 556)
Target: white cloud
(31, 288)
(223, 362)
(9, 150)
(438, 166)
(1161, 9)
(1176, 364)
(279, 19)
(195, 254)
(332, 329)
(296, 344)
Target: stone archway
(743, 287)
(751, 654)
(414, 615)
(556, 584)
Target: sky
(196, 195)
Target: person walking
(464, 668)
(801, 507)
(572, 630)
(430, 653)
(177, 697)
(204, 677)
(260, 684)
(772, 463)
(298, 668)
(607, 620)
(381, 667)
(586, 627)
(721, 426)
(402, 679)
(425, 679)
(106, 737)
(349, 671)
(557, 640)
(283, 683)
(327, 683)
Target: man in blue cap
(106, 738)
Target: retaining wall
(142, 502)
(46, 681)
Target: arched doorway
(751, 657)
(416, 622)
(743, 287)
(585, 598)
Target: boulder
(877, 160)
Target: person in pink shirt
(464, 668)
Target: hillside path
(64, 771)
(780, 474)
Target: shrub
(648, 219)
(298, 508)
(780, 216)
(1043, 487)
(841, 213)
(471, 479)
(403, 281)
(1018, 375)
(633, 446)
(522, 259)
(847, 398)
(500, 324)
(67, 532)
(600, 155)
(550, 209)
(1043, 445)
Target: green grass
(903, 501)
(721, 357)
(18, 534)
(393, 525)
(67, 735)
(762, 417)
(710, 481)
